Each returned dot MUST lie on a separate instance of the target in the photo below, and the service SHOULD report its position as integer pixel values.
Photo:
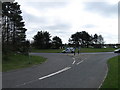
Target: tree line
(13, 30)
(79, 39)
(42, 41)
(84, 39)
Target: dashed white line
(79, 62)
(26, 83)
(74, 62)
(54, 73)
(74, 58)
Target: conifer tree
(13, 31)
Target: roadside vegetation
(97, 50)
(112, 80)
(82, 50)
(17, 61)
(47, 50)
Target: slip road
(61, 71)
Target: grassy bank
(82, 50)
(112, 80)
(13, 62)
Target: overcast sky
(65, 17)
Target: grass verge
(20, 61)
(87, 50)
(47, 50)
(82, 50)
(111, 80)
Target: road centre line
(74, 58)
(60, 71)
(79, 62)
(26, 83)
(65, 69)
(74, 61)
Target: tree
(13, 31)
(25, 48)
(100, 39)
(95, 39)
(83, 39)
(42, 40)
(56, 42)
(80, 38)
(86, 38)
(76, 39)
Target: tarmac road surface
(86, 70)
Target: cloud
(65, 17)
(46, 5)
(33, 19)
(59, 26)
(103, 8)
(89, 26)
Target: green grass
(112, 80)
(82, 50)
(20, 61)
(47, 50)
(96, 50)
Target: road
(86, 70)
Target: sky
(65, 17)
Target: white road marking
(67, 68)
(26, 83)
(104, 78)
(74, 58)
(74, 61)
(79, 62)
